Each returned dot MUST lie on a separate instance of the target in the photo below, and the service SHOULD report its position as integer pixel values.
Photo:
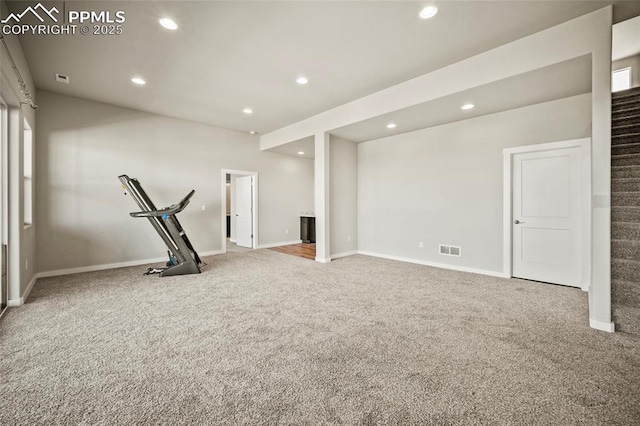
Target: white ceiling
(559, 81)
(235, 54)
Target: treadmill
(183, 258)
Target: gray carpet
(265, 338)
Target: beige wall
(83, 216)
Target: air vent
(61, 78)
(450, 250)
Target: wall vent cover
(61, 78)
(450, 250)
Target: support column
(600, 291)
(321, 197)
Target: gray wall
(83, 216)
(443, 185)
(344, 196)
(634, 63)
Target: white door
(546, 216)
(244, 211)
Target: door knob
(517, 222)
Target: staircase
(625, 210)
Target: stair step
(625, 293)
(617, 105)
(625, 160)
(627, 148)
(625, 120)
(628, 138)
(628, 109)
(624, 172)
(625, 185)
(625, 213)
(626, 319)
(625, 249)
(625, 94)
(625, 231)
(621, 129)
(625, 269)
(625, 199)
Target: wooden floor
(308, 251)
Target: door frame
(4, 197)
(584, 145)
(223, 205)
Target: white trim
(602, 326)
(94, 268)
(211, 253)
(102, 267)
(344, 254)
(23, 298)
(322, 260)
(284, 243)
(507, 165)
(436, 265)
(223, 205)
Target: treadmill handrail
(171, 210)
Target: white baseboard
(211, 253)
(94, 268)
(436, 265)
(27, 291)
(285, 243)
(323, 260)
(345, 254)
(602, 325)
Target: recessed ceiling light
(300, 152)
(139, 81)
(302, 80)
(428, 12)
(391, 126)
(253, 132)
(169, 24)
(247, 111)
(467, 106)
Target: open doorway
(239, 208)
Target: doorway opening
(239, 209)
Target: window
(28, 174)
(621, 79)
